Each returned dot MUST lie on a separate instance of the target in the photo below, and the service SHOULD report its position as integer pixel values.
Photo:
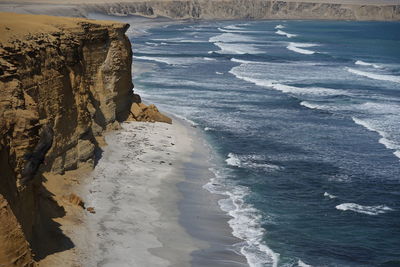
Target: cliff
(387, 10)
(254, 9)
(63, 82)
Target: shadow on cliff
(48, 238)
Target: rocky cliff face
(245, 9)
(72, 76)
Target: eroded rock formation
(63, 82)
(250, 9)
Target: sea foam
(172, 60)
(245, 222)
(245, 61)
(300, 263)
(288, 89)
(384, 140)
(326, 194)
(288, 35)
(375, 76)
(369, 210)
(231, 38)
(299, 48)
(234, 48)
(363, 63)
(250, 162)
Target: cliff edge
(63, 82)
(382, 10)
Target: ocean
(303, 119)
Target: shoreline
(156, 209)
(133, 194)
(210, 223)
(170, 235)
(289, 10)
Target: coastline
(154, 215)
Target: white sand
(133, 190)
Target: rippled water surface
(304, 118)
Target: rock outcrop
(383, 10)
(250, 9)
(142, 112)
(63, 82)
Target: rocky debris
(91, 210)
(141, 112)
(75, 200)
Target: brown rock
(141, 112)
(91, 210)
(76, 200)
(73, 75)
(136, 110)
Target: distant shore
(385, 10)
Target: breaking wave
(299, 48)
(246, 222)
(369, 210)
(375, 76)
(288, 35)
(363, 63)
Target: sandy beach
(150, 207)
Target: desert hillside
(216, 9)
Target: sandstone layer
(72, 76)
(251, 9)
(218, 9)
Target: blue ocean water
(304, 119)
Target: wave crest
(288, 35)
(299, 48)
(375, 76)
(369, 210)
(363, 63)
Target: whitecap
(233, 27)
(310, 105)
(246, 225)
(219, 73)
(314, 91)
(177, 40)
(245, 61)
(250, 162)
(171, 60)
(246, 221)
(152, 44)
(233, 160)
(238, 31)
(369, 210)
(231, 38)
(363, 63)
(232, 48)
(299, 48)
(375, 76)
(288, 35)
(279, 26)
(384, 140)
(300, 263)
(209, 59)
(326, 194)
